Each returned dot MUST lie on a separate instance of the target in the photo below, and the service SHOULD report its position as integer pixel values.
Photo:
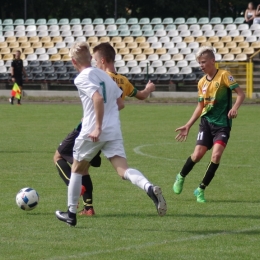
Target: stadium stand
(167, 45)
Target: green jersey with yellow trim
(128, 89)
(217, 97)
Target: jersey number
(200, 136)
(103, 86)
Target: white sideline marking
(192, 238)
(137, 150)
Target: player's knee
(215, 158)
(196, 157)
(56, 157)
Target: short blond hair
(205, 50)
(80, 52)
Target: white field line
(151, 244)
(138, 149)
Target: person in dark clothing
(17, 71)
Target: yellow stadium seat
(226, 38)
(28, 51)
(223, 51)
(48, 45)
(241, 57)
(10, 39)
(116, 39)
(136, 51)
(132, 45)
(148, 51)
(55, 57)
(140, 39)
(45, 39)
(66, 57)
(13, 45)
(213, 39)
(228, 57)
(255, 45)
(206, 44)
(248, 51)
(160, 51)
(104, 39)
(201, 39)
(14, 50)
(243, 45)
(8, 56)
(94, 44)
(25, 45)
(128, 57)
(57, 39)
(34, 39)
(231, 45)
(36, 45)
(177, 57)
(189, 39)
(144, 45)
(140, 57)
(92, 39)
(238, 38)
(22, 39)
(124, 51)
(128, 39)
(64, 51)
(218, 45)
(3, 45)
(236, 50)
(5, 50)
(120, 45)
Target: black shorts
(19, 81)
(65, 149)
(210, 134)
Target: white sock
(137, 178)
(74, 191)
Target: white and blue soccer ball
(27, 199)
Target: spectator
(250, 13)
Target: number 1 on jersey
(103, 85)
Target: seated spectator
(257, 15)
(250, 13)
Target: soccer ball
(27, 199)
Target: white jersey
(88, 82)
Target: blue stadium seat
(19, 22)
(86, 21)
(52, 21)
(36, 70)
(203, 20)
(144, 20)
(167, 20)
(97, 21)
(4, 76)
(41, 21)
(239, 20)
(164, 78)
(63, 21)
(46, 63)
(60, 70)
(179, 20)
(109, 21)
(176, 78)
(64, 77)
(39, 77)
(7, 22)
(58, 63)
(51, 76)
(156, 20)
(75, 21)
(215, 20)
(191, 20)
(121, 21)
(190, 78)
(30, 22)
(132, 21)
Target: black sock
(209, 175)
(64, 170)
(12, 100)
(187, 167)
(19, 100)
(87, 196)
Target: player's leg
(20, 84)
(204, 141)
(114, 150)
(83, 152)
(221, 136)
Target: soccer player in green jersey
(216, 112)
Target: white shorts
(87, 150)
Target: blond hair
(205, 50)
(80, 52)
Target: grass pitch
(126, 225)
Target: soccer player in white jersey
(101, 100)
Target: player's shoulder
(202, 80)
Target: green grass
(126, 225)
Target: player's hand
(94, 135)
(232, 113)
(183, 133)
(150, 86)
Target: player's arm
(184, 130)
(240, 98)
(98, 103)
(143, 94)
(120, 103)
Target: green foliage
(126, 225)
(125, 8)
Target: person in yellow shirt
(104, 54)
(216, 112)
